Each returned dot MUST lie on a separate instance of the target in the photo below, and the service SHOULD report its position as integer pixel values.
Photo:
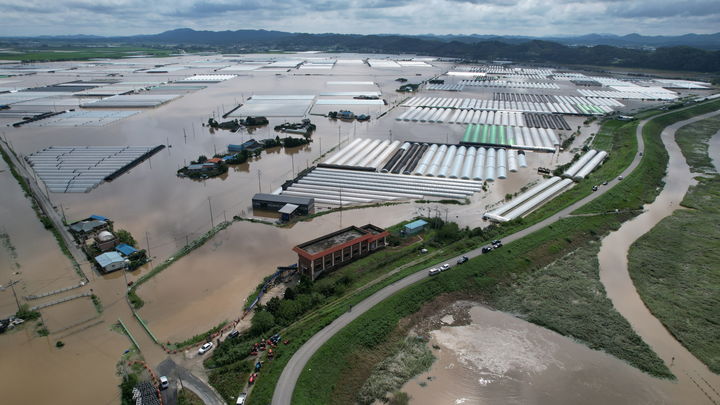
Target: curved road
(286, 384)
(696, 383)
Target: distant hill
(702, 41)
(626, 51)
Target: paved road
(179, 375)
(286, 384)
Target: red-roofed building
(215, 160)
(331, 251)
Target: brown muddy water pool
(501, 359)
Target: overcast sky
(506, 17)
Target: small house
(87, 227)
(111, 261)
(125, 249)
(415, 227)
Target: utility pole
(63, 213)
(185, 136)
(212, 222)
(12, 286)
(341, 206)
(225, 215)
(259, 183)
(292, 160)
(147, 240)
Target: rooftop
(334, 239)
(125, 249)
(416, 224)
(287, 199)
(108, 258)
(288, 209)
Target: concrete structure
(331, 251)
(275, 202)
(111, 261)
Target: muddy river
(616, 279)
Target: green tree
(125, 237)
(261, 322)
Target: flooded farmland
(164, 212)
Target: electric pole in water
(212, 222)
(147, 240)
(259, 183)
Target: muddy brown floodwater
(163, 212)
(500, 359)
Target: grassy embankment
(187, 397)
(681, 284)
(486, 277)
(80, 53)
(693, 141)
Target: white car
(205, 348)
(164, 383)
(241, 399)
(433, 272)
(444, 267)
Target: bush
(26, 314)
(261, 322)
(125, 237)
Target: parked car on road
(462, 260)
(205, 348)
(444, 267)
(241, 399)
(487, 249)
(433, 272)
(164, 383)
(235, 333)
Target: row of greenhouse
(450, 116)
(531, 199)
(446, 87)
(510, 84)
(466, 162)
(585, 165)
(586, 106)
(78, 169)
(343, 187)
(539, 139)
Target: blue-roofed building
(125, 249)
(99, 218)
(415, 227)
(111, 261)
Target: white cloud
(502, 17)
